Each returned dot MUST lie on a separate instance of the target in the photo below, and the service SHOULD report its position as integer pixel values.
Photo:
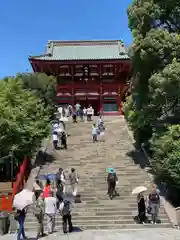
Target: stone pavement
(91, 160)
(147, 234)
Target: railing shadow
(169, 191)
(138, 157)
(43, 158)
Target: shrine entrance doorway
(94, 102)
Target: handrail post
(178, 216)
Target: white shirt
(55, 137)
(94, 130)
(84, 111)
(89, 111)
(62, 177)
(77, 106)
(60, 109)
(50, 205)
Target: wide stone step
(100, 221)
(105, 218)
(107, 212)
(91, 226)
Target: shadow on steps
(44, 158)
(138, 158)
(169, 191)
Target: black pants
(60, 199)
(111, 188)
(94, 138)
(64, 142)
(55, 143)
(37, 193)
(74, 118)
(67, 221)
(141, 215)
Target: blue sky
(26, 26)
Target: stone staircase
(91, 160)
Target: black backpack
(66, 208)
(111, 177)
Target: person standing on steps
(47, 189)
(50, 211)
(154, 204)
(65, 210)
(37, 188)
(64, 140)
(59, 192)
(55, 140)
(77, 109)
(85, 114)
(60, 176)
(73, 179)
(39, 214)
(112, 180)
(141, 208)
(20, 217)
(94, 133)
(74, 116)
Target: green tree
(154, 110)
(166, 154)
(155, 31)
(24, 120)
(43, 85)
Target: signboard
(63, 98)
(110, 98)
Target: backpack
(17, 215)
(66, 208)
(37, 211)
(111, 177)
(58, 176)
(73, 177)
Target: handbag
(17, 216)
(149, 210)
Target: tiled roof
(83, 50)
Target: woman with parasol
(139, 191)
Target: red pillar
(101, 99)
(73, 93)
(119, 100)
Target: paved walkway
(155, 234)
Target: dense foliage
(42, 85)
(153, 111)
(24, 121)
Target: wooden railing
(7, 200)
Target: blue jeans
(21, 228)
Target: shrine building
(88, 72)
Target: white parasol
(139, 189)
(23, 199)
